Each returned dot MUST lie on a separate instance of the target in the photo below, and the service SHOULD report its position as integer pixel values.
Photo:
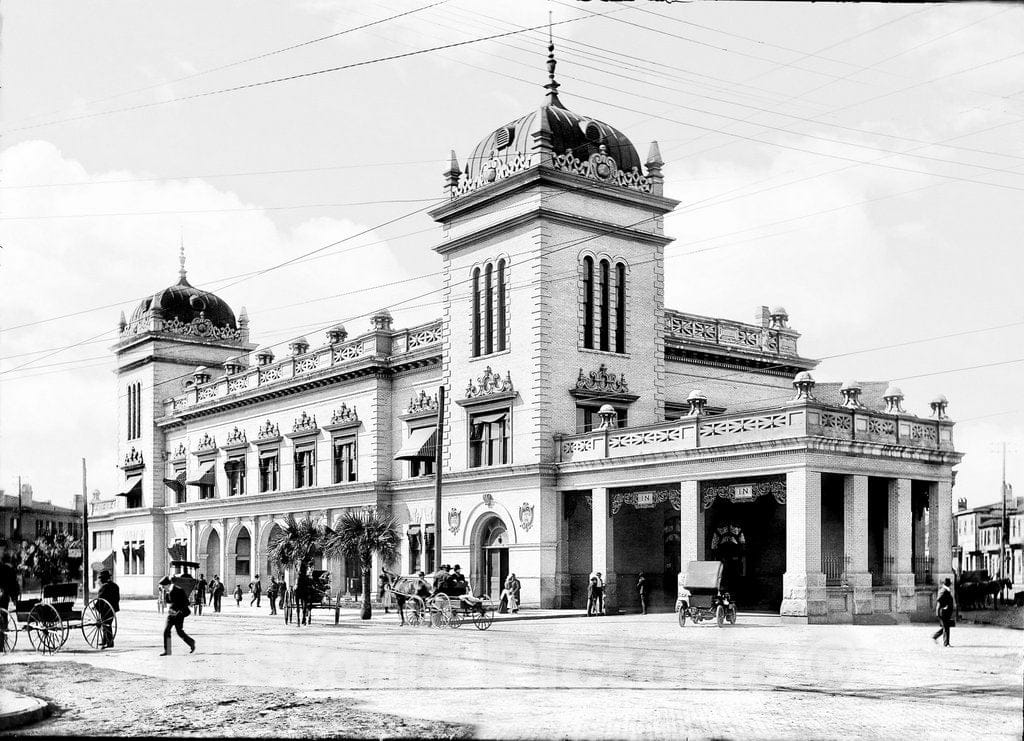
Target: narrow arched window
(588, 302)
(501, 305)
(476, 312)
(620, 308)
(605, 307)
(489, 310)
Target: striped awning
(132, 488)
(421, 445)
(207, 478)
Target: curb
(18, 710)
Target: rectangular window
(181, 491)
(235, 469)
(242, 564)
(415, 548)
(421, 467)
(133, 501)
(344, 459)
(305, 465)
(207, 491)
(103, 540)
(269, 470)
(587, 419)
(489, 437)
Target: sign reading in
(743, 493)
(644, 499)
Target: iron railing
(881, 572)
(834, 566)
(924, 570)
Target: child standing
(238, 595)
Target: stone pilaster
(691, 524)
(901, 544)
(940, 514)
(803, 584)
(855, 538)
(603, 547)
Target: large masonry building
(586, 427)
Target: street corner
(18, 710)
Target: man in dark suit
(111, 594)
(177, 598)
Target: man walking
(256, 590)
(177, 600)
(944, 611)
(111, 594)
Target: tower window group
(490, 308)
(134, 410)
(604, 305)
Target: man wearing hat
(177, 598)
(111, 594)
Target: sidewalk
(18, 710)
(1006, 617)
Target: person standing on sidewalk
(945, 609)
(272, 594)
(256, 590)
(641, 590)
(111, 594)
(238, 595)
(177, 600)
(216, 591)
(201, 592)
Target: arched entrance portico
(490, 556)
(212, 549)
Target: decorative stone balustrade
(711, 331)
(795, 420)
(402, 342)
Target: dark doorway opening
(749, 538)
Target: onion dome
(183, 302)
(571, 132)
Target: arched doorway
(493, 557)
(213, 554)
(272, 569)
(243, 554)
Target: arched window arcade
(489, 332)
(603, 299)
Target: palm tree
(297, 544)
(361, 536)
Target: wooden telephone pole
(438, 449)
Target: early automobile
(701, 596)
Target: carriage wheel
(483, 620)
(443, 604)
(682, 616)
(416, 610)
(97, 619)
(47, 631)
(455, 619)
(8, 631)
(720, 615)
(731, 616)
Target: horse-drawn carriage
(313, 591)
(701, 596)
(49, 619)
(450, 605)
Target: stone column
(691, 524)
(603, 559)
(257, 552)
(803, 584)
(855, 537)
(940, 516)
(224, 554)
(900, 545)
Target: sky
(860, 164)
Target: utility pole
(438, 449)
(86, 566)
(21, 526)
(1002, 529)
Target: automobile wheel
(720, 616)
(682, 617)
(732, 614)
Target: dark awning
(132, 488)
(207, 478)
(421, 445)
(177, 483)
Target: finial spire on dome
(181, 258)
(552, 86)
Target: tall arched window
(605, 305)
(620, 307)
(134, 411)
(501, 305)
(588, 302)
(476, 312)
(489, 309)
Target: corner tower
(553, 283)
(172, 336)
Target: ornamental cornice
(206, 444)
(422, 403)
(342, 418)
(236, 439)
(268, 432)
(133, 459)
(489, 384)
(305, 425)
(604, 384)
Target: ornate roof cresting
(305, 423)
(422, 402)
(268, 429)
(236, 437)
(489, 383)
(344, 413)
